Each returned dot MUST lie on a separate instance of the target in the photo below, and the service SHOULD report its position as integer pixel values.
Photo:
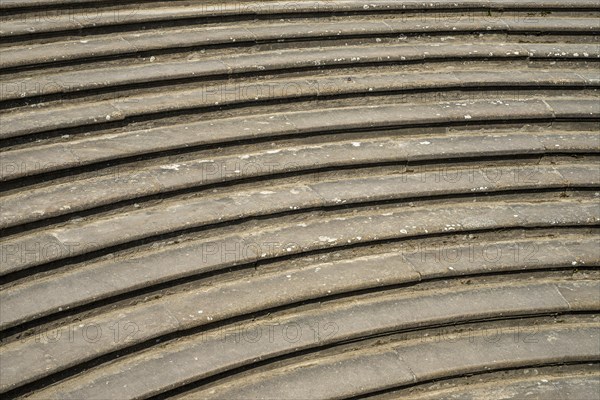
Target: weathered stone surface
(309, 199)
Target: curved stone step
(34, 160)
(37, 204)
(27, 122)
(338, 277)
(281, 60)
(103, 16)
(64, 242)
(132, 43)
(500, 4)
(102, 279)
(408, 362)
(391, 364)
